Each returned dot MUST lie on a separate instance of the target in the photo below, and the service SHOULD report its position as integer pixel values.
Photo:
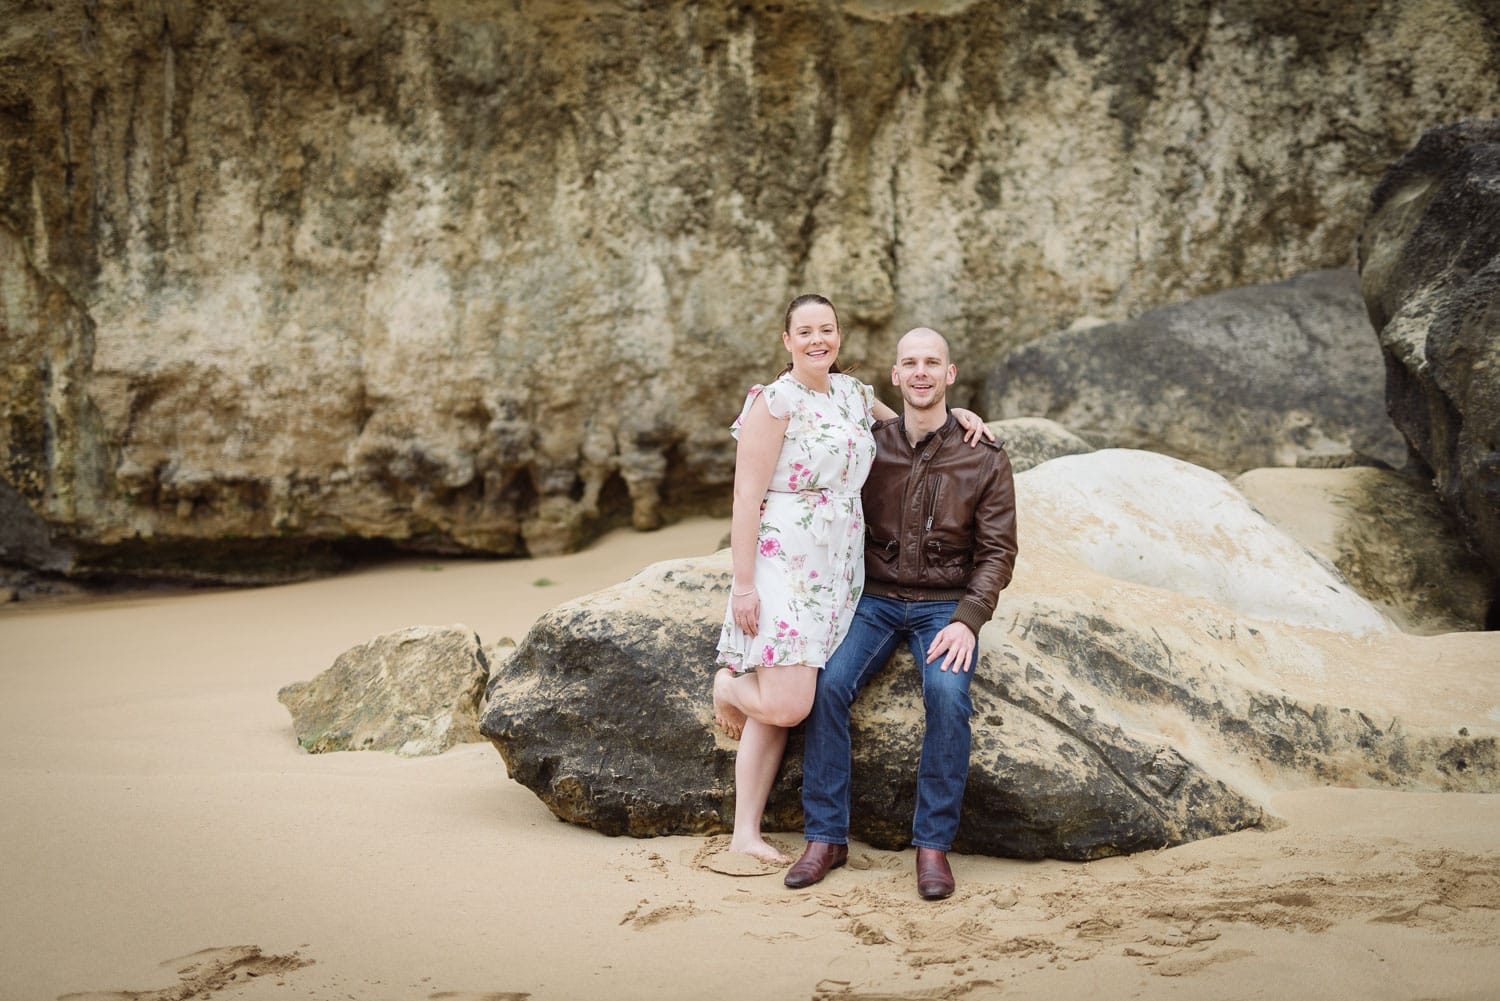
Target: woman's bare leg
(770, 699)
(780, 695)
(761, 746)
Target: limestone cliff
(472, 275)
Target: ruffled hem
(737, 662)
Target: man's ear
(894, 380)
(952, 374)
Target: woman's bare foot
(726, 713)
(761, 849)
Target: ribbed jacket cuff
(972, 614)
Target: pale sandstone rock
(1167, 524)
(415, 691)
(1387, 534)
(1119, 704)
(491, 278)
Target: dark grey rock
(24, 538)
(604, 712)
(1430, 268)
(1250, 377)
(1031, 441)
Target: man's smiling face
(922, 371)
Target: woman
(797, 542)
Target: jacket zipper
(937, 488)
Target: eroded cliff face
(486, 276)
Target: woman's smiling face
(813, 339)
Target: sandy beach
(164, 838)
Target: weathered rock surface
(497, 655)
(490, 277)
(1430, 268)
(415, 691)
(1388, 535)
(1167, 524)
(1117, 707)
(1250, 377)
(602, 713)
(1031, 441)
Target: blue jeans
(877, 626)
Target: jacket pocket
(947, 565)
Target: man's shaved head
(922, 337)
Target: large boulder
(603, 712)
(1388, 535)
(1260, 376)
(414, 691)
(1430, 267)
(493, 277)
(1031, 441)
(1126, 696)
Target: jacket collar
(941, 434)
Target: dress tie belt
(824, 491)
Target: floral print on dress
(809, 565)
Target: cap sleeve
(776, 402)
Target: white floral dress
(810, 550)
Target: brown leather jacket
(940, 520)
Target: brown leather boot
(934, 878)
(815, 863)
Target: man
(939, 548)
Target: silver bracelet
(741, 594)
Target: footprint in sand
(837, 990)
(207, 972)
(881, 861)
(643, 915)
(640, 861)
(735, 864)
(479, 996)
(1181, 966)
(713, 856)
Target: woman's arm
(973, 426)
(761, 436)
